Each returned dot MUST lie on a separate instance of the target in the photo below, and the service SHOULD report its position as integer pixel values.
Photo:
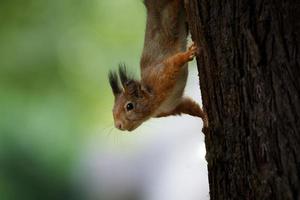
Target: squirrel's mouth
(133, 127)
(130, 129)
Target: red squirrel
(164, 71)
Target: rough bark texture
(250, 83)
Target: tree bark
(250, 83)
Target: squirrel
(164, 70)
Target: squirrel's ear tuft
(125, 78)
(114, 82)
(130, 85)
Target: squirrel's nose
(119, 125)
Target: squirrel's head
(132, 101)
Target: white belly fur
(175, 97)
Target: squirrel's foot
(192, 51)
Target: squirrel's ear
(114, 83)
(136, 89)
(130, 85)
(133, 88)
(145, 91)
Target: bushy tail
(156, 4)
(166, 29)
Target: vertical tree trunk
(250, 83)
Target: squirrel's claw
(192, 51)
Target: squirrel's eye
(129, 106)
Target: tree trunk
(250, 83)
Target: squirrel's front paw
(192, 51)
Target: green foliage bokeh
(54, 58)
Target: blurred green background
(54, 59)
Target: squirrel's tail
(152, 4)
(166, 26)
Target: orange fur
(187, 106)
(163, 70)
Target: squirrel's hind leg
(174, 63)
(181, 58)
